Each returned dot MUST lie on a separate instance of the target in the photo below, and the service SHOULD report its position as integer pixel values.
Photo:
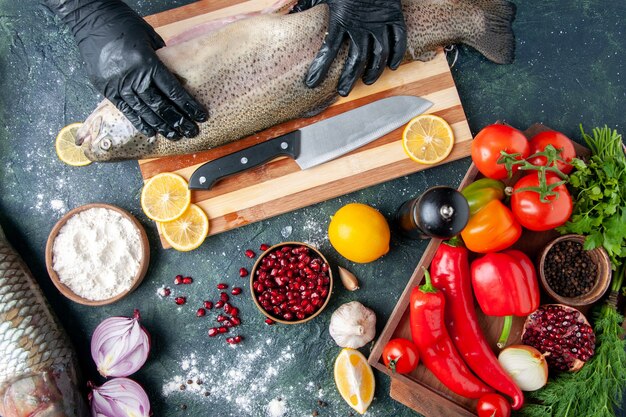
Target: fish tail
(496, 40)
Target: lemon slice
(354, 379)
(165, 197)
(427, 139)
(188, 231)
(66, 147)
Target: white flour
(97, 253)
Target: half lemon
(354, 379)
(427, 139)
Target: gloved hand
(118, 47)
(377, 36)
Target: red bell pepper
(436, 349)
(451, 274)
(505, 284)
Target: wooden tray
(421, 390)
(281, 186)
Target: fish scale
(38, 371)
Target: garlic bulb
(526, 365)
(353, 325)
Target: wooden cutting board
(281, 186)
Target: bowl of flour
(97, 254)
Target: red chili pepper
(451, 274)
(505, 284)
(434, 344)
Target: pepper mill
(440, 212)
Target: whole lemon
(359, 233)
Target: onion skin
(120, 346)
(526, 365)
(119, 397)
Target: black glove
(118, 47)
(377, 35)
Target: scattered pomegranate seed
(222, 329)
(269, 321)
(236, 291)
(250, 253)
(208, 305)
(221, 318)
(234, 311)
(223, 296)
(178, 279)
(201, 312)
(180, 300)
(219, 304)
(227, 323)
(222, 286)
(264, 247)
(187, 280)
(228, 308)
(165, 292)
(213, 332)
(236, 321)
(243, 272)
(234, 340)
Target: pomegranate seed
(180, 300)
(165, 292)
(250, 253)
(222, 286)
(223, 296)
(219, 304)
(221, 318)
(201, 312)
(236, 291)
(234, 311)
(227, 323)
(208, 305)
(243, 272)
(288, 316)
(187, 280)
(236, 321)
(213, 332)
(300, 315)
(233, 340)
(222, 329)
(269, 321)
(264, 247)
(228, 308)
(178, 280)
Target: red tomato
(400, 355)
(539, 142)
(488, 144)
(493, 405)
(533, 214)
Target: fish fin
(497, 41)
(326, 103)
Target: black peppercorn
(569, 270)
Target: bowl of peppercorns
(291, 283)
(572, 275)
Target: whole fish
(250, 73)
(38, 371)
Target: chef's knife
(319, 142)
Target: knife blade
(319, 142)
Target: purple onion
(119, 397)
(120, 346)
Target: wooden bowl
(603, 279)
(143, 264)
(253, 274)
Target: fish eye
(105, 144)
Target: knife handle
(209, 173)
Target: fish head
(107, 135)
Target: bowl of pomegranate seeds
(291, 282)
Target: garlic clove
(352, 325)
(348, 279)
(526, 365)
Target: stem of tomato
(506, 331)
